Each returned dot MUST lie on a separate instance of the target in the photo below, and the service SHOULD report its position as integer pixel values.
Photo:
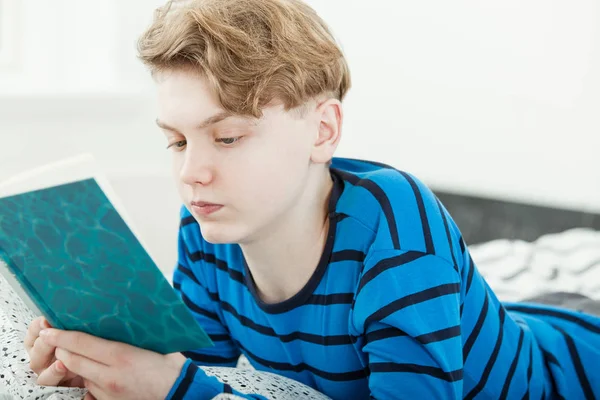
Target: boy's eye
(178, 145)
(229, 141)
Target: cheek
(268, 187)
(176, 168)
(176, 164)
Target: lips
(205, 208)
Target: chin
(215, 234)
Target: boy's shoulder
(399, 209)
(380, 180)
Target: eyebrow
(204, 124)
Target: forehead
(186, 99)
(180, 87)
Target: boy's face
(254, 170)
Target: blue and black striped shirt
(396, 309)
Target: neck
(285, 257)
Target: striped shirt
(396, 309)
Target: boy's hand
(50, 372)
(112, 370)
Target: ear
(329, 116)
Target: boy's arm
(407, 309)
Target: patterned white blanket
(562, 262)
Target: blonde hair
(252, 52)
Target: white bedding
(562, 262)
(569, 262)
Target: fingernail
(45, 324)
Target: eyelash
(179, 146)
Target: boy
(348, 276)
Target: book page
(7, 298)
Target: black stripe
(188, 272)
(579, 370)
(555, 313)
(197, 309)
(461, 308)
(329, 299)
(450, 376)
(550, 357)
(463, 247)
(448, 236)
(219, 338)
(412, 300)
(347, 255)
(227, 389)
(529, 373)
(490, 364)
(470, 275)
(513, 367)
(187, 221)
(341, 216)
(386, 264)
(429, 247)
(332, 376)
(438, 336)
(381, 197)
(213, 296)
(220, 264)
(185, 383)
(476, 329)
(209, 358)
(385, 333)
(332, 340)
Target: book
(70, 252)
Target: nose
(197, 168)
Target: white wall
(495, 98)
(499, 97)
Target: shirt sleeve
(193, 383)
(407, 309)
(204, 304)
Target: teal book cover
(77, 260)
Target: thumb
(45, 324)
(53, 375)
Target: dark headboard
(481, 219)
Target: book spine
(30, 291)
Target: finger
(73, 380)
(89, 370)
(53, 375)
(42, 355)
(94, 391)
(33, 333)
(91, 347)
